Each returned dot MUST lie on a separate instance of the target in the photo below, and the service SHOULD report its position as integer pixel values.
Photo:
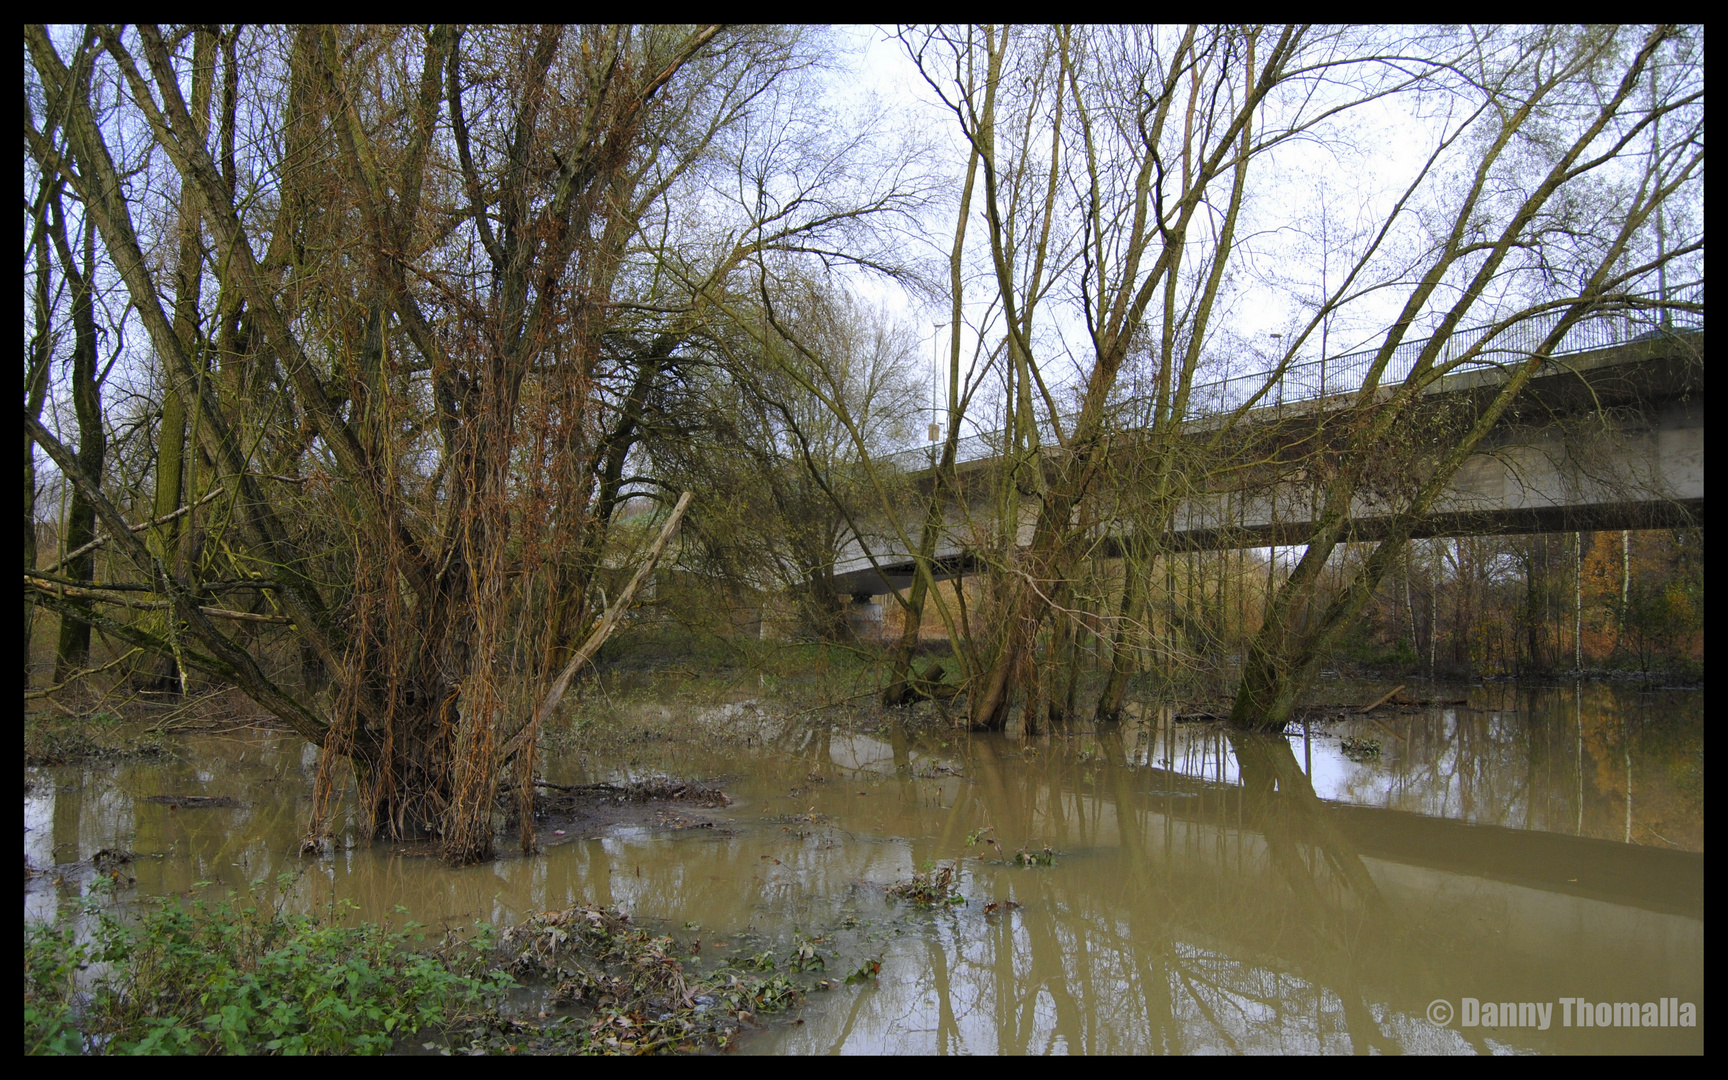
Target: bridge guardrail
(1335, 376)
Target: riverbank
(237, 974)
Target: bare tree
(440, 306)
(36, 375)
(1100, 152)
(1558, 110)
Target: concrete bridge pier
(864, 616)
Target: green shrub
(210, 977)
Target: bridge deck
(1541, 474)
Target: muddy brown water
(1209, 893)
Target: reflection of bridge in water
(1193, 907)
(1203, 899)
(1609, 436)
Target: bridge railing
(1335, 376)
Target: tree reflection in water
(1228, 919)
(1208, 892)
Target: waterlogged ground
(1159, 887)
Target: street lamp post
(1667, 318)
(1278, 340)
(935, 430)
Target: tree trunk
(1129, 611)
(900, 686)
(73, 653)
(902, 689)
(165, 674)
(1578, 603)
(41, 356)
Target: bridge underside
(1610, 440)
(1520, 521)
(1517, 521)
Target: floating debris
(869, 969)
(628, 988)
(654, 789)
(193, 802)
(934, 887)
(1359, 749)
(590, 809)
(1199, 716)
(1043, 857)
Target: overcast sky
(1356, 173)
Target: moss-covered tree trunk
(73, 651)
(41, 355)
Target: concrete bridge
(1610, 435)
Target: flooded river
(1367, 885)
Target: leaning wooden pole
(602, 631)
